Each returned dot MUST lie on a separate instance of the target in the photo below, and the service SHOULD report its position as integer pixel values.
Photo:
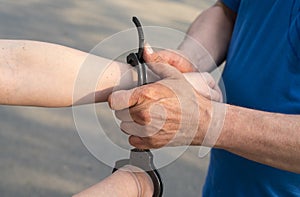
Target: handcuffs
(141, 158)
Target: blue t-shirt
(262, 72)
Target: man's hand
(171, 57)
(203, 82)
(168, 112)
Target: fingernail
(149, 49)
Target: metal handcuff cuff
(142, 159)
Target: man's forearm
(44, 74)
(212, 29)
(269, 138)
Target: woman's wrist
(197, 55)
(143, 181)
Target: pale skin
(123, 183)
(43, 74)
(268, 138)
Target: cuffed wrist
(143, 181)
(197, 55)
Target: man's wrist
(211, 125)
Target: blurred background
(41, 153)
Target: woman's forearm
(43, 74)
(124, 182)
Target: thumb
(123, 99)
(150, 56)
(159, 66)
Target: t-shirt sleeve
(232, 4)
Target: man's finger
(123, 99)
(159, 66)
(133, 128)
(150, 56)
(124, 115)
(165, 71)
(144, 129)
(138, 142)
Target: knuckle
(150, 92)
(157, 58)
(151, 141)
(144, 116)
(144, 92)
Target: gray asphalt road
(41, 153)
